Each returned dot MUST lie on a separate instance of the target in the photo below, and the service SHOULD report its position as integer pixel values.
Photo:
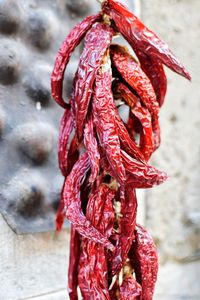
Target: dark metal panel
(31, 33)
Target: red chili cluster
(104, 159)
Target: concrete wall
(173, 212)
(32, 265)
(35, 266)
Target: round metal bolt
(39, 29)
(38, 87)
(35, 140)
(78, 7)
(9, 62)
(25, 194)
(10, 16)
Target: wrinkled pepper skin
(130, 289)
(92, 148)
(126, 228)
(97, 40)
(72, 203)
(132, 126)
(142, 114)
(105, 120)
(144, 259)
(155, 72)
(75, 244)
(114, 292)
(60, 215)
(140, 37)
(66, 127)
(127, 144)
(141, 175)
(104, 156)
(135, 77)
(92, 265)
(70, 43)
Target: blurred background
(33, 259)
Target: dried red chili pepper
(60, 215)
(72, 203)
(155, 72)
(105, 120)
(92, 148)
(126, 227)
(70, 43)
(144, 259)
(112, 163)
(135, 77)
(97, 40)
(114, 291)
(75, 244)
(140, 37)
(73, 155)
(66, 127)
(141, 175)
(127, 143)
(132, 125)
(156, 133)
(142, 114)
(150, 137)
(92, 265)
(130, 289)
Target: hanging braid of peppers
(104, 159)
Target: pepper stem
(106, 19)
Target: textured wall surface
(173, 210)
(34, 266)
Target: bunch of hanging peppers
(105, 159)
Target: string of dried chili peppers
(104, 159)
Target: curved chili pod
(92, 148)
(72, 203)
(104, 163)
(100, 209)
(114, 291)
(144, 259)
(92, 266)
(104, 114)
(155, 72)
(127, 143)
(70, 43)
(140, 37)
(126, 227)
(147, 141)
(131, 125)
(97, 40)
(74, 255)
(156, 133)
(141, 175)
(66, 127)
(135, 77)
(67, 161)
(130, 289)
(142, 114)
(73, 154)
(60, 215)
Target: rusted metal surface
(31, 33)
